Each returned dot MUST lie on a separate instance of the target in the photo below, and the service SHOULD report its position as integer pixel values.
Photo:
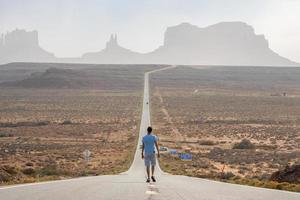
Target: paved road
(131, 184)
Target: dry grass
(215, 109)
(106, 123)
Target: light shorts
(150, 159)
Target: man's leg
(147, 164)
(153, 163)
(148, 171)
(152, 169)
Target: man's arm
(143, 147)
(156, 145)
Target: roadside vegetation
(231, 123)
(51, 115)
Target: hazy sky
(72, 27)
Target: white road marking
(152, 186)
(150, 192)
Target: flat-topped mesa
(22, 46)
(218, 36)
(21, 38)
(225, 43)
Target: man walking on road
(148, 153)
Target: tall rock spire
(112, 43)
(2, 40)
(116, 39)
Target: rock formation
(226, 43)
(113, 54)
(22, 46)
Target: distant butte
(225, 43)
(22, 46)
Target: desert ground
(239, 124)
(52, 113)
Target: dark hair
(149, 129)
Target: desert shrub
(9, 169)
(7, 173)
(42, 123)
(29, 164)
(28, 179)
(66, 122)
(264, 177)
(28, 171)
(244, 144)
(207, 142)
(4, 177)
(227, 175)
(89, 172)
(4, 134)
(50, 170)
(26, 123)
(290, 174)
(201, 163)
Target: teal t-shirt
(149, 143)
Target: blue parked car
(185, 156)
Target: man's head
(149, 130)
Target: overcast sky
(70, 28)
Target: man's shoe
(148, 180)
(153, 179)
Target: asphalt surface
(131, 185)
